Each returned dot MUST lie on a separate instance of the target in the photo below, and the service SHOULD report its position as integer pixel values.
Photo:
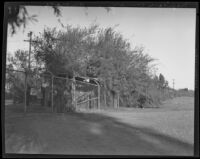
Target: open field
(174, 118)
(167, 130)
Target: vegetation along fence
(47, 92)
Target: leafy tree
(121, 69)
(18, 15)
(19, 62)
(98, 53)
(64, 52)
(16, 83)
(161, 81)
(15, 78)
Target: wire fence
(44, 92)
(87, 96)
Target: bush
(8, 95)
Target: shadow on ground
(85, 133)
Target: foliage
(184, 92)
(161, 81)
(17, 66)
(64, 52)
(93, 52)
(98, 53)
(18, 16)
(15, 80)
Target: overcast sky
(168, 34)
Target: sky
(168, 34)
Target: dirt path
(86, 133)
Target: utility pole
(29, 67)
(29, 55)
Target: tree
(161, 81)
(98, 53)
(64, 53)
(17, 66)
(16, 78)
(121, 69)
(18, 15)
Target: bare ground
(162, 131)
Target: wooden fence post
(52, 93)
(73, 93)
(99, 102)
(25, 102)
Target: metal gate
(87, 94)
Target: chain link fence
(29, 92)
(45, 92)
(14, 89)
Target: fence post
(105, 96)
(73, 93)
(99, 96)
(118, 99)
(52, 93)
(25, 93)
(88, 103)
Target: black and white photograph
(99, 80)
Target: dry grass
(162, 131)
(174, 118)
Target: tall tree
(161, 81)
(64, 52)
(17, 66)
(98, 53)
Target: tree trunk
(90, 102)
(111, 99)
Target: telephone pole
(29, 67)
(29, 54)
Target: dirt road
(86, 133)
